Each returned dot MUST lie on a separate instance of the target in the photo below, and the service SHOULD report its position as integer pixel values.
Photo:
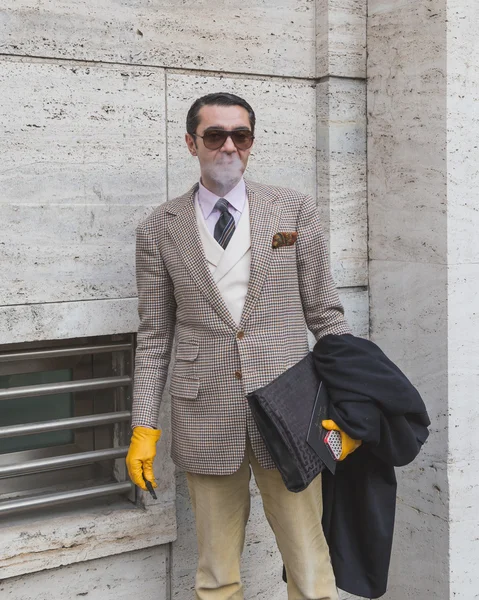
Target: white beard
(225, 173)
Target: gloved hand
(142, 451)
(348, 444)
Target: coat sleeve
(157, 312)
(321, 305)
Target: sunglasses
(215, 138)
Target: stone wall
(94, 98)
(423, 220)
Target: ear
(191, 143)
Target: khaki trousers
(221, 504)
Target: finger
(135, 470)
(330, 425)
(148, 471)
(349, 445)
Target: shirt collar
(236, 197)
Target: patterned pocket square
(284, 238)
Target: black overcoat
(371, 400)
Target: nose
(228, 146)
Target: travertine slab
(463, 286)
(341, 164)
(81, 135)
(284, 149)
(83, 162)
(356, 309)
(407, 130)
(143, 574)
(64, 253)
(463, 132)
(463, 360)
(408, 321)
(341, 38)
(63, 320)
(255, 36)
(418, 569)
(408, 304)
(463, 472)
(31, 543)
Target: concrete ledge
(31, 544)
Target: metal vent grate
(42, 470)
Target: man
(239, 271)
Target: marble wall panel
(284, 149)
(407, 130)
(341, 173)
(463, 131)
(142, 573)
(267, 36)
(63, 320)
(341, 38)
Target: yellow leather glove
(348, 444)
(142, 451)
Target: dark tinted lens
(214, 139)
(242, 139)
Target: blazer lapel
(264, 223)
(184, 231)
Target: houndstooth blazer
(217, 361)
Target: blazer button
(240, 335)
(238, 374)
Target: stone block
(84, 163)
(419, 567)
(356, 309)
(284, 150)
(70, 535)
(341, 164)
(341, 38)
(121, 577)
(409, 322)
(68, 252)
(81, 135)
(463, 345)
(464, 522)
(463, 131)
(63, 320)
(407, 130)
(264, 37)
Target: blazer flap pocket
(187, 350)
(184, 387)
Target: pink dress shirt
(236, 199)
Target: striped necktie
(225, 226)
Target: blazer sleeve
(157, 312)
(322, 308)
